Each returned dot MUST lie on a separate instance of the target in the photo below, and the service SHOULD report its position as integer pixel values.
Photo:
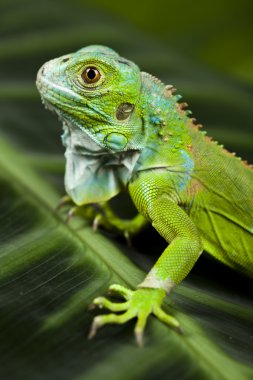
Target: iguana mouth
(49, 106)
(52, 93)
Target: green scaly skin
(125, 130)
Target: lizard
(125, 130)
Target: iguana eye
(90, 75)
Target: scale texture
(123, 129)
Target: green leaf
(51, 271)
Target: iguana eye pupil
(91, 75)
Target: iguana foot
(73, 210)
(107, 218)
(138, 304)
(88, 212)
(64, 201)
(101, 215)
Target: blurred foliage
(50, 271)
(217, 33)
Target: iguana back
(222, 206)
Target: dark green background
(50, 272)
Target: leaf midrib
(8, 168)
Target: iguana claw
(64, 201)
(139, 304)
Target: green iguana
(125, 130)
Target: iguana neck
(166, 125)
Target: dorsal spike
(151, 77)
(169, 90)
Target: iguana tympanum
(125, 130)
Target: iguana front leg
(110, 221)
(174, 264)
(88, 212)
(101, 214)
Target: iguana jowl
(124, 129)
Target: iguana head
(96, 94)
(116, 119)
(97, 91)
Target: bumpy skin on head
(124, 129)
(60, 83)
(98, 118)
